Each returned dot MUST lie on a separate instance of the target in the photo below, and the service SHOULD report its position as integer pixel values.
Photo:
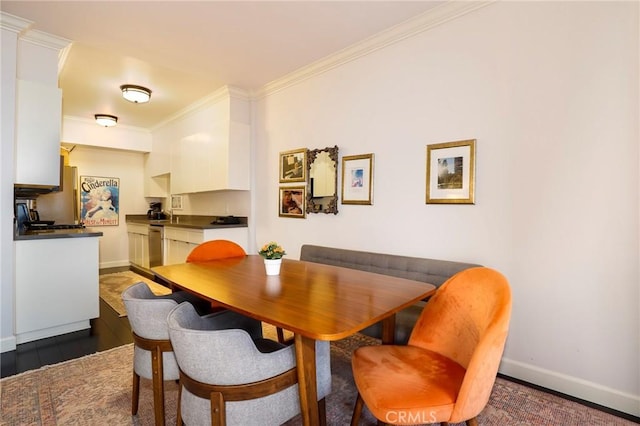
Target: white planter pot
(272, 266)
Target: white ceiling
(185, 50)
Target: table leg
(389, 330)
(306, 366)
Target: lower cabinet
(178, 242)
(59, 295)
(138, 244)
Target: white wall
(128, 166)
(550, 92)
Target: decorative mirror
(322, 194)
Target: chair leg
(472, 422)
(218, 415)
(322, 411)
(135, 394)
(158, 385)
(179, 412)
(357, 410)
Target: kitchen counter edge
(192, 222)
(56, 233)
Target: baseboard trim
(53, 331)
(8, 344)
(572, 386)
(114, 264)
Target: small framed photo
(292, 201)
(451, 172)
(176, 202)
(293, 166)
(357, 179)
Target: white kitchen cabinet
(157, 167)
(178, 242)
(56, 288)
(38, 125)
(138, 244)
(212, 160)
(157, 186)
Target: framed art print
(357, 179)
(100, 200)
(293, 166)
(292, 201)
(176, 202)
(451, 172)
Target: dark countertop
(56, 233)
(186, 221)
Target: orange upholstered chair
(215, 249)
(446, 371)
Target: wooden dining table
(312, 300)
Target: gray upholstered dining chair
(153, 354)
(226, 377)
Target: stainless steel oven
(156, 238)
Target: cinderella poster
(99, 200)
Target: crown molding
(13, 23)
(43, 39)
(419, 24)
(62, 57)
(221, 94)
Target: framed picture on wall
(293, 166)
(99, 200)
(292, 201)
(357, 179)
(176, 202)
(451, 172)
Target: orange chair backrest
(215, 249)
(467, 320)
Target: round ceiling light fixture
(135, 94)
(106, 120)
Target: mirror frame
(332, 205)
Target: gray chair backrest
(208, 351)
(202, 345)
(147, 312)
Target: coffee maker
(155, 211)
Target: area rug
(112, 286)
(96, 390)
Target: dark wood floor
(106, 332)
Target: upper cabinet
(38, 107)
(38, 123)
(157, 169)
(210, 150)
(211, 161)
(157, 186)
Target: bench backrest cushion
(431, 271)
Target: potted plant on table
(272, 253)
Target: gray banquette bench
(430, 271)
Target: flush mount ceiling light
(135, 94)
(106, 120)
